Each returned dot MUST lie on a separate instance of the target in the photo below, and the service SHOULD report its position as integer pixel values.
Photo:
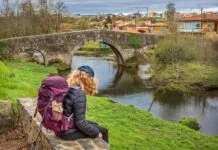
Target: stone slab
(6, 116)
(47, 139)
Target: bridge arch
(36, 50)
(114, 47)
(29, 50)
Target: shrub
(190, 123)
(170, 52)
(186, 77)
(134, 41)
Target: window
(209, 25)
(198, 25)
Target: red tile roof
(203, 17)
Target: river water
(129, 88)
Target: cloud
(125, 6)
(85, 6)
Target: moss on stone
(190, 123)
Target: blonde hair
(83, 80)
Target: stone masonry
(62, 46)
(47, 139)
(6, 116)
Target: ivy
(135, 41)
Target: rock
(6, 116)
(47, 139)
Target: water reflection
(174, 106)
(127, 88)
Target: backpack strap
(35, 113)
(40, 127)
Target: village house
(123, 25)
(199, 23)
(155, 15)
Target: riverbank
(129, 127)
(95, 49)
(190, 77)
(185, 65)
(106, 54)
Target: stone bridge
(62, 46)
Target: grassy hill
(129, 127)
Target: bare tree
(25, 17)
(170, 13)
(6, 8)
(59, 9)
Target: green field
(129, 127)
(92, 45)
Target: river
(132, 89)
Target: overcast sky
(124, 6)
(116, 6)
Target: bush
(133, 62)
(190, 123)
(186, 77)
(134, 41)
(170, 52)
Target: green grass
(93, 44)
(129, 127)
(4, 71)
(132, 129)
(184, 64)
(93, 49)
(186, 77)
(23, 81)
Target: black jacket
(75, 102)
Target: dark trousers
(74, 134)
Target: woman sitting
(81, 83)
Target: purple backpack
(49, 104)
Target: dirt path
(13, 139)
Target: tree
(6, 20)
(108, 21)
(170, 13)
(45, 8)
(59, 9)
(6, 8)
(30, 17)
(27, 18)
(172, 25)
(83, 24)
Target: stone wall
(47, 139)
(6, 116)
(62, 46)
